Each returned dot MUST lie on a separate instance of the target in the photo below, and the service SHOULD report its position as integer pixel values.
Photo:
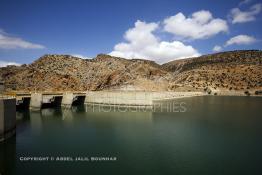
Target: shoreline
(247, 93)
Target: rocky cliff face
(236, 70)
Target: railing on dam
(2, 96)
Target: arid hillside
(232, 71)
(64, 72)
(235, 70)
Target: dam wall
(119, 98)
(134, 98)
(7, 117)
(37, 101)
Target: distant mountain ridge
(234, 57)
(234, 70)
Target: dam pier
(7, 117)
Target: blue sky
(161, 30)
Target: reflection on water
(201, 135)
(8, 156)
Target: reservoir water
(200, 136)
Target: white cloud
(217, 48)
(244, 2)
(81, 56)
(9, 42)
(6, 63)
(239, 16)
(241, 39)
(142, 43)
(238, 40)
(200, 25)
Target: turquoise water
(199, 135)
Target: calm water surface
(203, 135)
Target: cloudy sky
(160, 30)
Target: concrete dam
(123, 98)
(37, 100)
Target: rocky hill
(65, 72)
(235, 70)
